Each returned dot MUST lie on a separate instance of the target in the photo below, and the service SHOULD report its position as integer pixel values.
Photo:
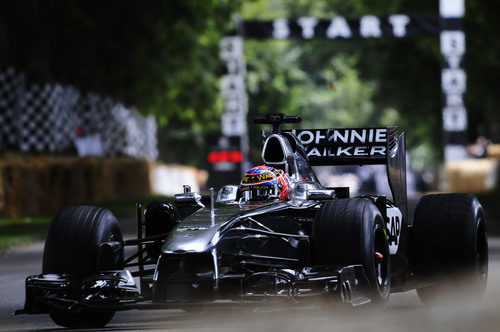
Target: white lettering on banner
(453, 78)
(452, 43)
(231, 86)
(233, 124)
(369, 26)
(360, 151)
(314, 152)
(348, 151)
(355, 135)
(378, 135)
(236, 104)
(307, 24)
(380, 150)
(337, 135)
(453, 61)
(343, 151)
(381, 135)
(452, 47)
(236, 67)
(453, 81)
(231, 48)
(454, 100)
(338, 28)
(280, 28)
(451, 8)
(232, 105)
(325, 142)
(399, 23)
(454, 118)
(319, 136)
(304, 141)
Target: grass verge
(21, 231)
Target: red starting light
(215, 157)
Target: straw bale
(33, 185)
(474, 175)
(494, 151)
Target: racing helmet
(264, 182)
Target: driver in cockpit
(264, 182)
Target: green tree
(160, 56)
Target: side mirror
(227, 194)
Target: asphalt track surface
(404, 312)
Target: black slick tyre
(450, 248)
(71, 248)
(351, 231)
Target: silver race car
(278, 237)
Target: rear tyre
(71, 248)
(351, 231)
(450, 248)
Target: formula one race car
(278, 237)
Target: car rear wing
(347, 146)
(359, 146)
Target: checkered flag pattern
(11, 88)
(43, 119)
(94, 112)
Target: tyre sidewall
(373, 224)
(447, 236)
(344, 234)
(74, 237)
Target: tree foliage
(397, 79)
(162, 56)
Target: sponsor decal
(347, 151)
(393, 225)
(360, 142)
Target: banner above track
(447, 25)
(397, 26)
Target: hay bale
(474, 175)
(493, 151)
(33, 185)
(129, 178)
(12, 191)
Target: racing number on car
(393, 223)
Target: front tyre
(352, 231)
(71, 248)
(450, 247)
